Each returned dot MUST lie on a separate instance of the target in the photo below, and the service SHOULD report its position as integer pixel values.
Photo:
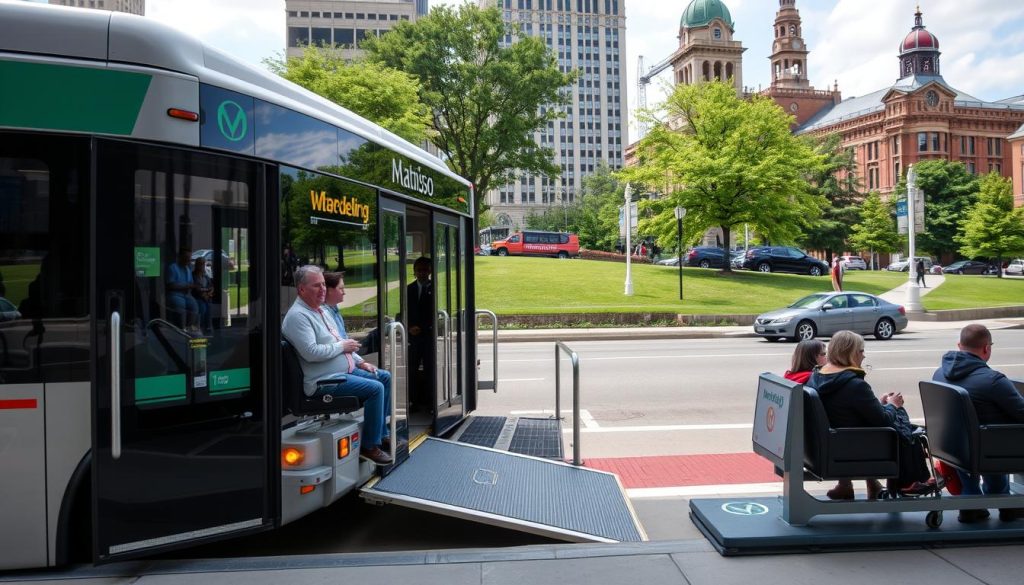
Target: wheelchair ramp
(514, 491)
(751, 526)
(539, 437)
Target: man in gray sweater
(326, 353)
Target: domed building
(707, 51)
(921, 117)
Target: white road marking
(933, 368)
(521, 380)
(871, 351)
(704, 490)
(585, 417)
(663, 428)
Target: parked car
(705, 257)
(967, 267)
(826, 313)
(1015, 267)
(783, 259)
(904, 266)
(853, 263)
(8, 312)
(670, 261)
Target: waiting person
(420, 299)
(202, 291)
(325, 352)
(808, 356)
(837, 274)
(996, 401)
(850, 402)
(919, 268)
(179, 290)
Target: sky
(854, 42)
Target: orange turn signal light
(183, 114)
(292, 456)
(344, 447)
(306, 489)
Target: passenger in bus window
(202, 291)
(182, 307)
(420, 296)
(325, 352)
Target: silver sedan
(826, 313)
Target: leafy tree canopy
(385, 96)
(949, 191)
(993, 228)
(728, 162)
(487, 98)
(876, 230)
(837, 182)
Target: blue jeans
(184, 305)
(375, 392)
(993, 484)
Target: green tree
(593, 216)
(949, 191)
(487, 98)
(993, 229)
(836, 181)
(876, 231)
(728, 162)
(385, 96)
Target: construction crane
(642, 82)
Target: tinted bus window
(44, 259)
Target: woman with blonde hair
(850, 402)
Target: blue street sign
(901, 208)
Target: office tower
(589, 36)
(343, 24)
(129, 6)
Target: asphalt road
(675, 397)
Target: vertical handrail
(446, 364)
(559, 346)
(494, 343)
(115, 385)
(392, 341)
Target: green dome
(700, 13)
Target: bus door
(181, 439)
(394, 246)
(450, 323)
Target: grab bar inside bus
(115, 385)
(392, 363)
(446, 320)
(560, 347)
(493, 383)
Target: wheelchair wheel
(933, 519)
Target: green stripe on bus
(160, 388)
(79, 99)
(229, 380)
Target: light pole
(629, 245)
(680, 214)
(913, 303)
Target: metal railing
(493, 383)
(560, 347)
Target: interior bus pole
(629, 244)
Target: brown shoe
(842, 491)
(874, 487)
(376, 455)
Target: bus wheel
(502, 252)
(563, 255)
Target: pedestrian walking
(919, 267)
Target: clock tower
(789, 52)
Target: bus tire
(563, 255)
(502, 251)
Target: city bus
(134, 419)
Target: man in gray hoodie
(996, 401)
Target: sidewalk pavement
(898, 295)
(683, 562)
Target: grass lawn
(968, 292)
(517, 285)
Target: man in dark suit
(420, 324)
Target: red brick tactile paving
(687, 470)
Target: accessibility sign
(745, 508)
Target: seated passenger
(202, 291)
(325, 352)
(808, 356)
(180, 303)
(850, 402)
(996, 401)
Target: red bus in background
(534, 243)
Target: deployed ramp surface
(535, 495)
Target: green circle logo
(232, 121)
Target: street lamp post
(680, 214)
(629, 247)
(913, 303)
